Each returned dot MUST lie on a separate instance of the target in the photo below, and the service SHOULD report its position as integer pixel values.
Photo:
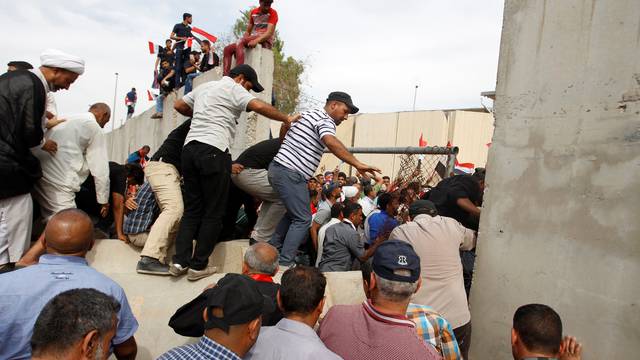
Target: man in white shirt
(206, 163)
(82, 150)
(367, 202)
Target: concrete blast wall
(561, 219)
(143, 130)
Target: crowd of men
(178, 63)
(414, 245)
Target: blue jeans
(159, 103)
(292, 230)
(188, 84)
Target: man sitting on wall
(261, 28)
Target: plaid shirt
(435, 330)
(205, 349)
(141, 219)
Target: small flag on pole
(205, 34)
(151, 96)
(422, 142)
(153, 48)
(464, 168)
(449, 144)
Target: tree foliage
(287, 73)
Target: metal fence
(424, 165)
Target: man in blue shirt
(24, 293)
(382, 223)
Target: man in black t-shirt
(120, 177)
(460, 197)
(250, 174)
(180, 33)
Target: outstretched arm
(269, 111)
(339, 150)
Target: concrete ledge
(154, 299)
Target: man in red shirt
(262, 26)
(379, 328)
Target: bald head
(69, 232)
(261, 258)
(102, 112)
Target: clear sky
(377, 51)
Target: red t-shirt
(260, 22)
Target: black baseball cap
(249, 75)
(344, 98)
(240, 300)
(423, 207)
(394, 255)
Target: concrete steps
(154, 299)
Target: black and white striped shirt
(302, 147)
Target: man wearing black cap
(232, 317)
(206, 163)
(18, 65)
(379, 328)
(297, 161)
(438, 240)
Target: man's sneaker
(177, 270)
(194, 275)
(149, 265)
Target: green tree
(287, 72)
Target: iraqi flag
(464, 168)
(151, 96)
(204, 34)
(154, 48)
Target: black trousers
(207, 174)
(463, 336)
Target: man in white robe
(82, 150)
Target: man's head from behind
(353, 212)
(301, 292)
(422, 207)
(537, 330)
(69, 232)
(396, 272)
(233, 314)
(389, 203)
(76, 324)
(18, 65)
(260, 258)
(102, 112)
(336, 211)
(135, 174)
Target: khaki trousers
(164, 180)
(255, 182)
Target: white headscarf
(58, 59)
(349, 191)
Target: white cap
(58, 59)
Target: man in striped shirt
(297, 161)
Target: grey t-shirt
(341, 247)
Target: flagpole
(113, 115)
(415, 95)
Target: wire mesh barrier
(423, 165)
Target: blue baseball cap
(393, 255)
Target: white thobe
(82, 149)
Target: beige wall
(469, 130)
